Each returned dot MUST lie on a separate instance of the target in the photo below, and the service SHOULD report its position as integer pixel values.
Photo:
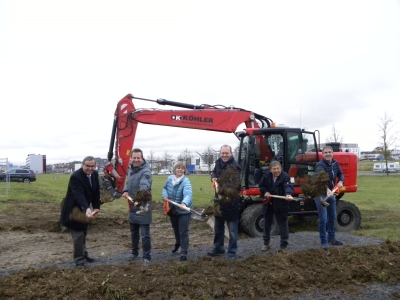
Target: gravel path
(246, 247)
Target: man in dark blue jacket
(230, 206)
(83, 191)
(327, 214)
(276, 182)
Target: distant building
(351, 148)
(36, 163)
(369, 155)
(395, 154)
(348, 147)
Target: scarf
(176, 180)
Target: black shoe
(88, 258)
(176, 248)
(214, 252)
(231, 257)
(335, 242)
(183, 258)
(81, 265)
(133, 257)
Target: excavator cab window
(293, 148)
(302, 156)
(276, 143)
(249, 159)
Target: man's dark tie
(90, 180)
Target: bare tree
(166, 160)
(151, 159)
(387, 137)
(158, 164)
(335, 136)
(186, 157)
(208, 156)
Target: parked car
(164, 172)
(154, 173)
(23, 175)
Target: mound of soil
(36, 263)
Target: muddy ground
(36, 263)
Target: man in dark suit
(227, 173)
(83, 191)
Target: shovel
(211, 220)
(195, 214)
(284, 197)
(143, 209)
(330, 193)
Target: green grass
(53, 187)
(367, 166)
(379, 202)
(377, 198)
(47, 187)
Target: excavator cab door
(295, 149)
(302, 156)
(249, 160)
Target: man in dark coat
(83, 191)
(227, 173)
(276, 182)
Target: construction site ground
(36, 263)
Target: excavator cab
(294, 148)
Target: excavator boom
(203, 117)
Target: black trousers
(281, 218)
(180, 224)
(79, 241)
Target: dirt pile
(270, 276)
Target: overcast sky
(64, 65)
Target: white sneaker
(265, 247)
(146, 262)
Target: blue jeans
(327, 217)
(219, 235)
(180, 224)
(146, 241)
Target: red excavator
(259, 142)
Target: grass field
(377, 198)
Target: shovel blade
(323, 201)
(144, 210)
(196, 217)
(211, 222)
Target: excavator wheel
(252, 221)
(348, 217)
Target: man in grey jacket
(139, 179)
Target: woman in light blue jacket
(178, 188)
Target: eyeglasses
(90, 166)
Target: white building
(348, 147)
(351, 148)
(36, 163)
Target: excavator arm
(126, 118)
